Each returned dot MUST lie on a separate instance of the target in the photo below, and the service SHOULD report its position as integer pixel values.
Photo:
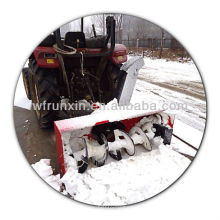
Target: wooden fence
(152, 43)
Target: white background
(195, 23)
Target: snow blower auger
(91, 138)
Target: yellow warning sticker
(120, 58)
(50, 60)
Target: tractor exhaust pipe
(58, 38)
(82, 24)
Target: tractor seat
(75, 39)
(96, 42)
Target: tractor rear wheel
(44, 89)
(112, 82)
(26, 81)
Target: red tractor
(76, 68)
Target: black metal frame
(110, 27)
(164, 132)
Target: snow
(111, 112)
(128, 181)
(131, 180)
(162, 70)
(20, 98)
(181, 147)
(187, 133)
(45, 171)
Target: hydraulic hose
(65, 52)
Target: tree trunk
(103, 21)
(161, 44)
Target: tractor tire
(112, 82)
(26, 81)
(44, 89)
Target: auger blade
(139, 137)
(116, 156)
(129, 147)
(100, 162)
(83, 164)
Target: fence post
(137, 45)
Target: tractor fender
(46, 57)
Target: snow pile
(128, 181)
(45, 171)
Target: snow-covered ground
(128, 181)
(45, 171)
(161, 81)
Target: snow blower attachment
(90, 139)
